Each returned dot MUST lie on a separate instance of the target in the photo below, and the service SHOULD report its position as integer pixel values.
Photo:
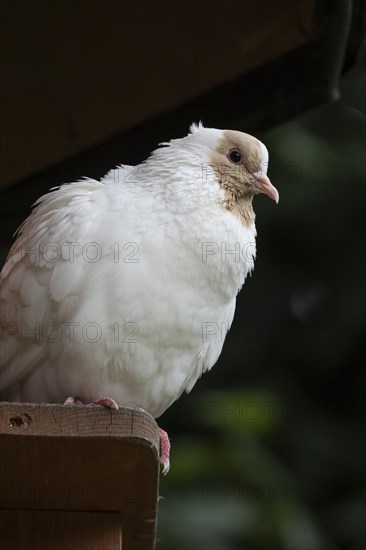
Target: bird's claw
(73, 401)
(165, 466)
(164, 451)
(107, 402)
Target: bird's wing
(149, 298)
(43, 270)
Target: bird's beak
(264, 185)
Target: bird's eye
(235, 156)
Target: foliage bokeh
(268, 450)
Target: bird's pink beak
(264, 185)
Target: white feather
(107, 292)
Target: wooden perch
(77, 477)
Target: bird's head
(240, 163)
(231, 167)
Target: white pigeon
(117, 291)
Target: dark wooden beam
(253, 102)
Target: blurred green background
(268, 450)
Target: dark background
(268, 450)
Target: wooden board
(83, 460)
(38, 530)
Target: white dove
(116, 291)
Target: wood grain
(81, 460)
(24, 530)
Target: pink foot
(107, 402)
(164, 451)
(73, 401)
